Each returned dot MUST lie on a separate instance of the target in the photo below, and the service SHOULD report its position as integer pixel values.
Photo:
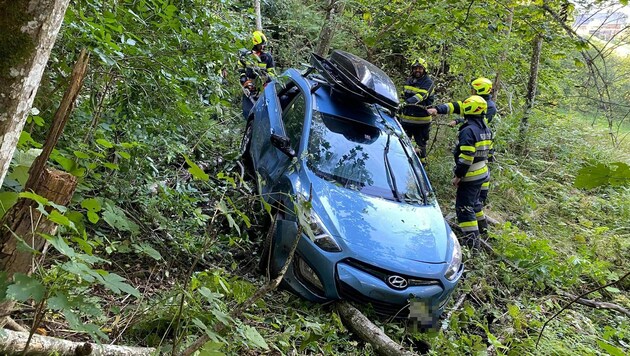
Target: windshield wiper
(390, 175)
(419, 179)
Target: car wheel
(266, 255)
(244, 149)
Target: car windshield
(355, 155)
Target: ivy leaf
(25, 288)
(196, 172)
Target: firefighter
(258, 70)
(482, 87)
(418, 94)
(471, 154)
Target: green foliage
(153, 142)
(618, 173)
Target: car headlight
(456, 259)
(320, 235)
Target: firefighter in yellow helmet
(483, 87)
(471, 154)
(418, 94)
(258, 70)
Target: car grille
(380, 307)
(399, 310)
(384, 275)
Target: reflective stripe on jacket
(418, 94)
(472, 149)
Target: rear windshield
(352, 154)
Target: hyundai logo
(397, 282)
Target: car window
(293, 118)
(352, 154)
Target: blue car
(329, 136)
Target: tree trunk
(27, 33)
(23, 220)
(531, 88)
(369, 332)
(14, 342)
(258, 15)
(497, 80)
(327, 32)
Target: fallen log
(13, 343)
(369, 332)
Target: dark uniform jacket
(492, 107)
(418, 94)
(474, 144)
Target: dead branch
(595, 304)
(576, 300)
(13, 325)
(14, 343)
(457, 305)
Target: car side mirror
(283, 143)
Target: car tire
(244, 149)
(266, 255)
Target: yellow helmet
(419, 62)
(259, 38)
(474, 105)
(481, 85)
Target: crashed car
(328, 135)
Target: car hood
(379, 229)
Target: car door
(267, 112)
(292, 102)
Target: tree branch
(575, 300)
(597, 305)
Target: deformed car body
(328, 136)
